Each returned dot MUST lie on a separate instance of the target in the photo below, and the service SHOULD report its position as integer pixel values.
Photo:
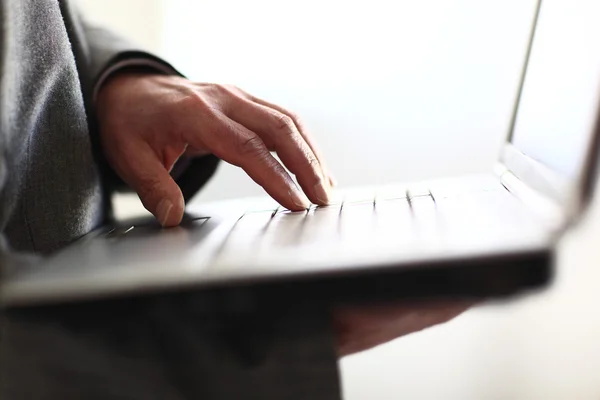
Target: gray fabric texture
(54, 186)
(52, 193)
(168, 347)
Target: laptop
(471, 236)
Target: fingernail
(299, 199)
(163, 210)
(321, 193)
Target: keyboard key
(453, 187)
(359, 195)
(394, 220)
(390, 192)
(321, 227)
(245, 236)
(424, 212)
(418, 191)
(357, 217)
(284, 230)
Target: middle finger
(280, 134)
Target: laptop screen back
(558, 107)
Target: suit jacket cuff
(145, 63)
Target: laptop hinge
(541, 205)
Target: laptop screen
(559, 99)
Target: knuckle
(216, 91)
(298, 121)
(315, 167)
(291, 114)
(226, 90)
(283, 123)
(220, 88)
(294, 117)
(313, 162)
(192, 102)
(251, 146)
(226, 96)
(148, 188)
(231, 88)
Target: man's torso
(52, 192)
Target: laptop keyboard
(359, 226)
(361, 221)
(353, 216)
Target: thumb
(156, 188)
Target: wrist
(114, 85)
(133, 65)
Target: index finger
(280, 134)
(241, 147)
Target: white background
(399, 90)
(392, 90)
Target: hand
(148, 121)
(361, 328)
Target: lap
(166, 347)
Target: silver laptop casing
(470, 236)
